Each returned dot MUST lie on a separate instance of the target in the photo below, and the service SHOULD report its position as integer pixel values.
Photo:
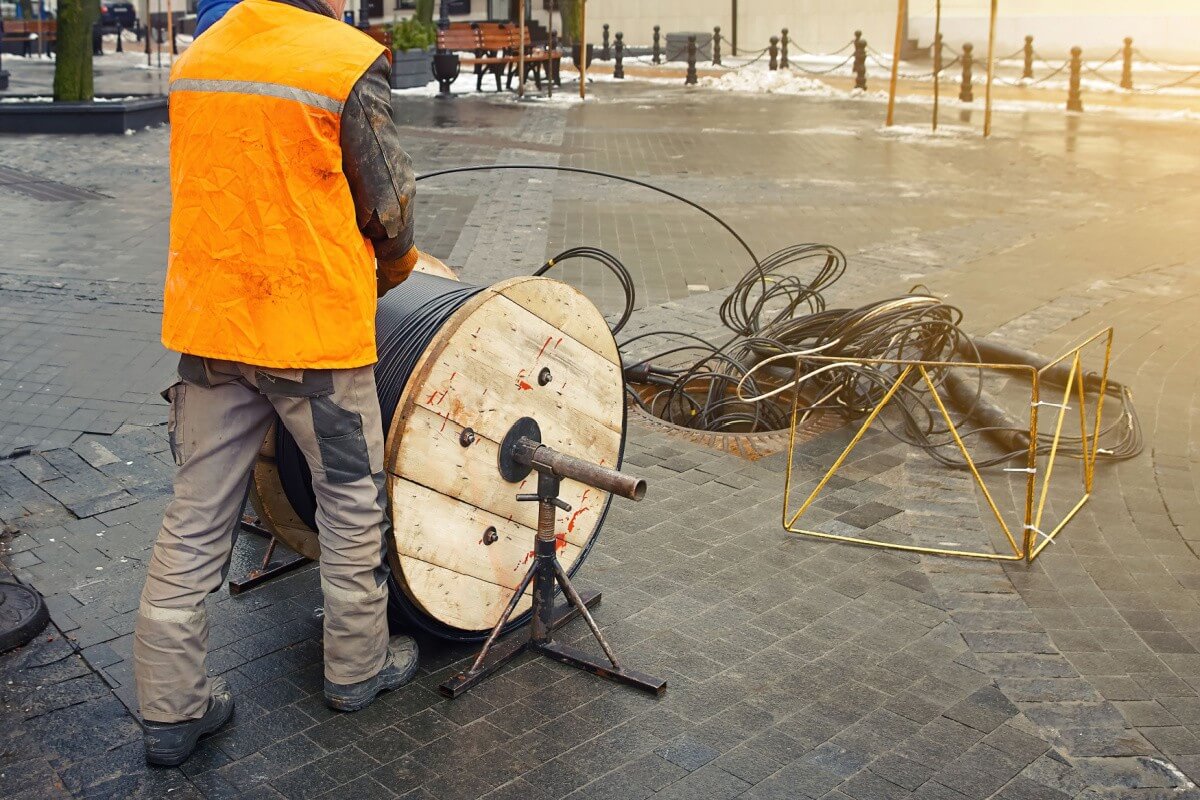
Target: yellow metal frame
(1033, 539)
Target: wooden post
(901, 15)
(619, 51)
(170, 35)
(991, 70)
(774, 50)
(860, 61)
(582, 49)
(1074, 99)
(717, 45)
(1127, 65)
(783, 50)
(937, 61)
(1027, 73)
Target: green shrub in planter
(413, 34)
(412, 53)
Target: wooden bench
(383, 35)
(495, 50)
(25, 34)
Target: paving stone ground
(798, 667)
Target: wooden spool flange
(526, 347)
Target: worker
(209, 12)
(292, 212)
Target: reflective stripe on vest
(260, 88)
(267, 264)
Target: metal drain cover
(23, 614)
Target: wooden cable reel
(525, 347)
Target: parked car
(117, 13)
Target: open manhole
(739, 437)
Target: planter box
(108, 114)
(411, 68)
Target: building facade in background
(1167, 29)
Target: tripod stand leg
(572, 595)
(510, 647)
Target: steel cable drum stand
(520, 453)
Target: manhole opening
(748, 430)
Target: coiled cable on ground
(779, 322)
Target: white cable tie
(1029, 470)
(1040, 532)
(1051, 405)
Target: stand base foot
(578, 658)
(509, 648)
(269, 569)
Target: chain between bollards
(783, 49)
(1028, 73)
(717, 45)
(1127, 65)
(774, 50)
(965, 93)
(619, 51)
(691, 79)
(605, 51)
(657, 45)
(860, 61)
(1074, 100)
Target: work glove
(390, 274)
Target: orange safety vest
(267, 264)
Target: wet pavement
(798, 668)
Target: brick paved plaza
(798, 668)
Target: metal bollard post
(1028, 73)
(691, 79)
(774, 48)
(938, 48)
(860, 61)
(1074, 101)
(783, 43)
(553, 66)
(657, 45)
(120, 36)
(717, 45)
(968, 60)
(1127, 65)
(605, 52)
(174, 41)
(619, 49)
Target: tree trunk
(425, 11)
(570, 20)
(73, 61)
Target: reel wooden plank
(480, 372)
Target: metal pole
(521, 56)
(733, 42)
(937, 60)
(582, 49)
(991, 68)
(901, 14)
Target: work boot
(398, 669)
(168, 744)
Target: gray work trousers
(220, 412)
